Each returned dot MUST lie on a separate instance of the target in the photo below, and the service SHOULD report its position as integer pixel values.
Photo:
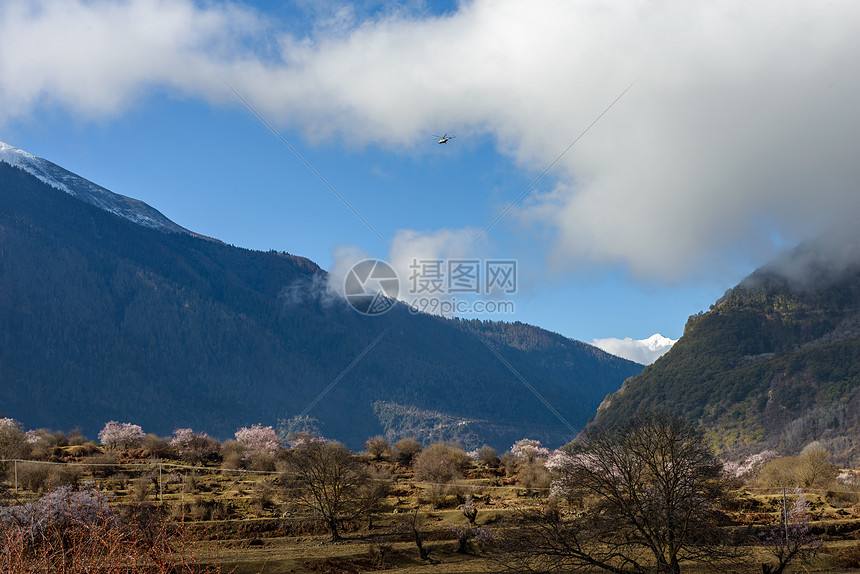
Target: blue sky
(737, 139)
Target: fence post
(16, 476)
(160, 484)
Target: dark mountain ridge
(102, 318)
(775, 363)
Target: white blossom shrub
(33, 437)
(529, 450)
(750, 466)
(848, 479)
(121, 435)
(59, 511)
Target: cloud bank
(740, 133)
(642, 351)
(412, 255)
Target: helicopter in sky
(444, 138)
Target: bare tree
(327, 478)
(413, 527)
(645, 493)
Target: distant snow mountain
(642, 351)
(85, 190)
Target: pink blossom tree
(259, 440)
(791, 539)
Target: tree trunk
(335, 535)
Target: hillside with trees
(645, 495)
(103, 319)
(774, 364)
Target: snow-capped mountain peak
(643, 351)
(657, 342)
(85, 190)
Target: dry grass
(211, 520)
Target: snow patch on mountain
(85, 190)
(642, 351)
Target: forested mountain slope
(104, 318)
(775, 363)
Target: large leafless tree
(329, 479)
(643, 495)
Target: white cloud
(742, 125)
(413, 256)
(410, 248)
(344, 257)
(643, 351)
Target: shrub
(406, 450)
(76, 437)
(195, 447)
(64, 475)
(465, 534)
(140, 489)
(155, 446)
(261, 498)
(509, 463)
(202, 509)
(189, 483)
(487, 455)
(43, 442)
(440, 463)
(263, 462)
(779, 473)
(77, 531)
(102, 465)
(121, 435)
(849, 557)
(36, 476)
(533, 475)
(33, 476)
(233, 455)
(811, 467)
(13, 441)
(61, 509)
(378, 448)
(814, 466)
